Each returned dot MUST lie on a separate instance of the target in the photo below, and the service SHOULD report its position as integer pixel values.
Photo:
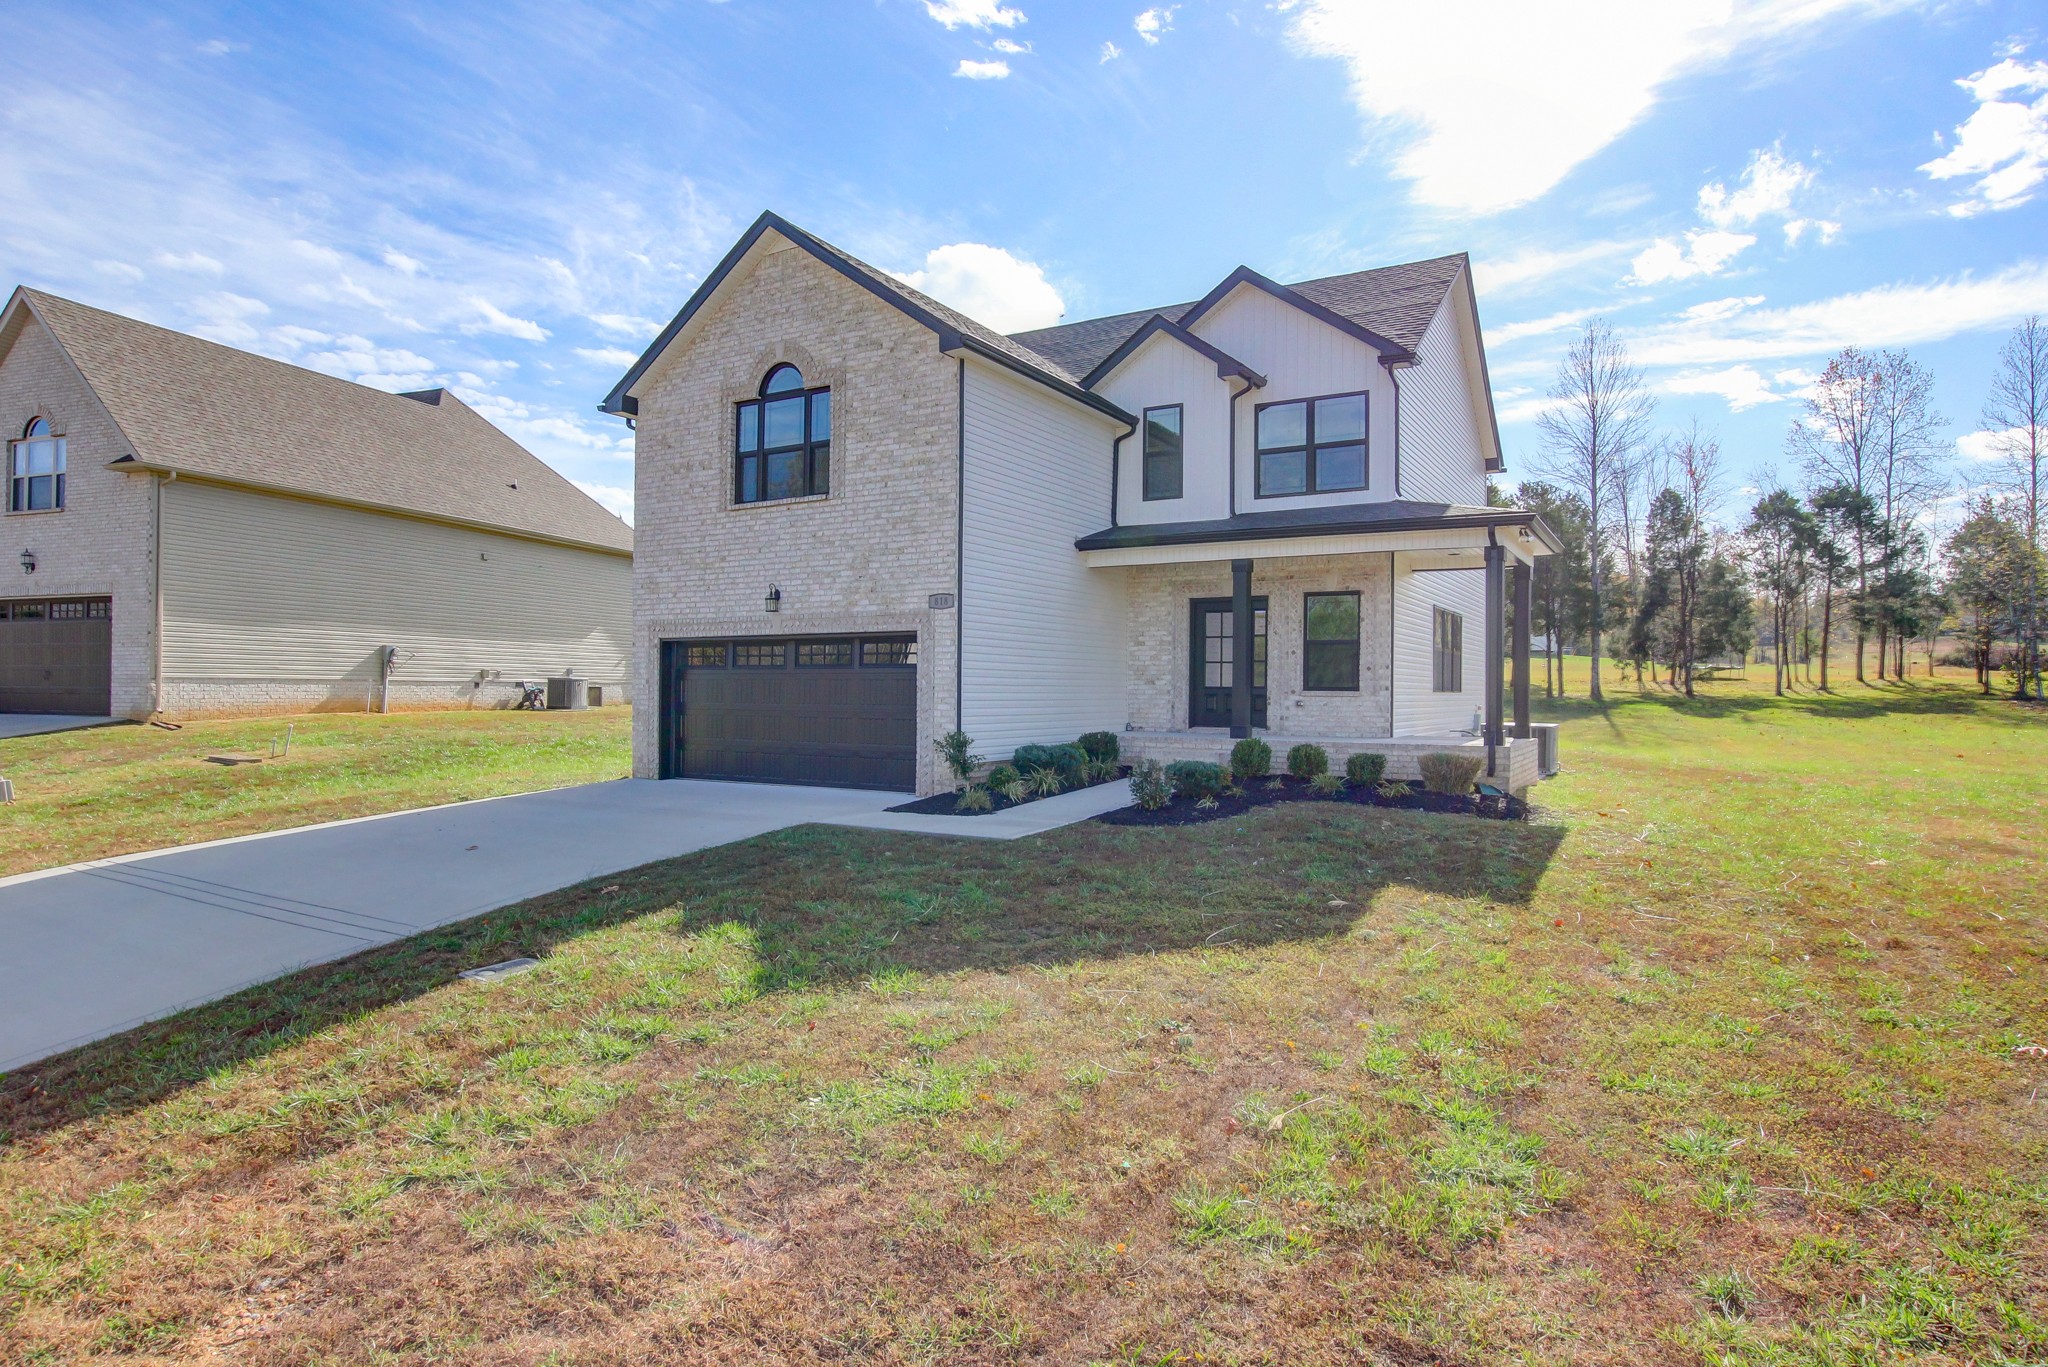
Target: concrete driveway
(94, 949)
(14, 724)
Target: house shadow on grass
(834, 907)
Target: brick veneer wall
(1159, 628)
(865, 557)
(102, 542)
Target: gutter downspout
(1249, 386)
(1116, 455)
(1496, 555)
(156, 589)
(1394, 377)
(960, 558)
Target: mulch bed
(941, 804)
(1260, 793)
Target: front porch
(1517, 760)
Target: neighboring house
(1080, 528)
(193, 530)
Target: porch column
(1240, 649)
(1525, 602)
(1496, 586)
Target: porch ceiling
(1342, 529)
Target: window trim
(1309, 446)
(1180, 432)
(1446, 651)
(1357, 641)
(19, 481)
(815, 452)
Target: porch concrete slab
(1014, 823)
(95, 949)
(14, 724)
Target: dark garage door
(57, 655)
(833, 710)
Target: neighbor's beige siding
(275, 603)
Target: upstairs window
(782, 446)
(1311, 446)
(35, 470)
(1329, 655)
(1447, 653)
(1162, 452)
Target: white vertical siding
(1301, 357)
(1042, 635)
(1443, 458)
(1418, 709)
(1164, 371)
(264, 588)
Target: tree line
(1842, 557)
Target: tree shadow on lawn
(831, 906)
(1848, 701)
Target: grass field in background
(112, 790)
(1723, 1058)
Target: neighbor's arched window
(782, 446)
(35, 470)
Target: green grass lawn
(110, 790)
(1722, 1059)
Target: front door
(1212, 642)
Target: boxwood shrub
(1100, 745)
(1250, 758)
(1364, 768)
(1195, 778)
(1306, 761)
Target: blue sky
(510, 198)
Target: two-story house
(865, 520)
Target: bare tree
(1601, 420)
(2016, 418)
(1906, 466)
(1835, 440)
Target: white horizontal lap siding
(1301, 357)
(1442, 453)
(257, 587)
(1166, 371)
(1043, 636)
(1418, 709)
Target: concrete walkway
(1033, 818)
(94, 949)
(13, 724)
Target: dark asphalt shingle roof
(212, 411)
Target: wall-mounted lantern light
(773, 602)
(28, 562)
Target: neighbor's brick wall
(101, 542)
(1159, 628)
(864, 558)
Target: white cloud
(1110, 52)
(990, 286)
(227, 317)
(1526, 410)
(499, 323)
(1826, 229)
(192, 263)
(1538, 265)
(400, 262)
(1537, 327)
(1483, 126)
(1766, 189)
(1704, 252)
(292, 337)
(1741, 386)
(617, 500)
(362, 360)
(608, 355)
(982, 71)
(973, 13)
(1887, 316)
(1155, 23)
(2004, 144)
(1713, 310)
(627, 325)
(118, 270)
(1985, 447)
(220, 47)
(1011, 46)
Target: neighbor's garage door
(834, 710)
(57, 655)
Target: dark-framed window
(35, 470)
(705, 654)
(1310, 446)
(782, 441)
(1162, 451)
(1329, 652)
(760, 655)
(887, 652)
(1447, 653)
(824, 654)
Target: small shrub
(1450, 773)
(1001, 777)
(1391, 789)
(1067, 760)
(1149, 785)
(1365, 769)
(956, 752)
(1195, 778)
(1102, 770)
(1306, 761)
(1326, 785)
(975, 799)
(1100, 745)
(1016, 790)
(1045, 782)
(1250, 758)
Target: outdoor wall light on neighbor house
(28, 562)
(773, 602)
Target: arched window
(35, 470)
(782, 444)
